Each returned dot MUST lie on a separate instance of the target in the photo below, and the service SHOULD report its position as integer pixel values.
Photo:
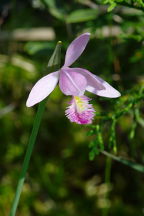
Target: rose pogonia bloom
(73, 81)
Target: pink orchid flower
(73, 81)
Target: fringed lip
(80, 111)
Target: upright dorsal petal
(76, 48)
(42, 88)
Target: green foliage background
(74, 170)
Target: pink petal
(71, 82)
(76, 48)
(97, 85)
(91, 79)
(42, 88)
(108, 90)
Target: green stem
(53, 65)
(31, 143)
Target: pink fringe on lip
(80, 111)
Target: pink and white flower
(80, 111)
(73, 81)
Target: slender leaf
(129, 163)
(82, 15)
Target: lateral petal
(91, 79)
(72, 82)
(76, 48)
(97, 85)
(107, 91)
(42, 88)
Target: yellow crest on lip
(81, 105)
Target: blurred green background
(75, 170)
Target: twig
(129, 163)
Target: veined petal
(91, 79)
(76, 48)
(72, 82)
(97, 85)
(80, 111)
(107, 91)
(42, 88)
